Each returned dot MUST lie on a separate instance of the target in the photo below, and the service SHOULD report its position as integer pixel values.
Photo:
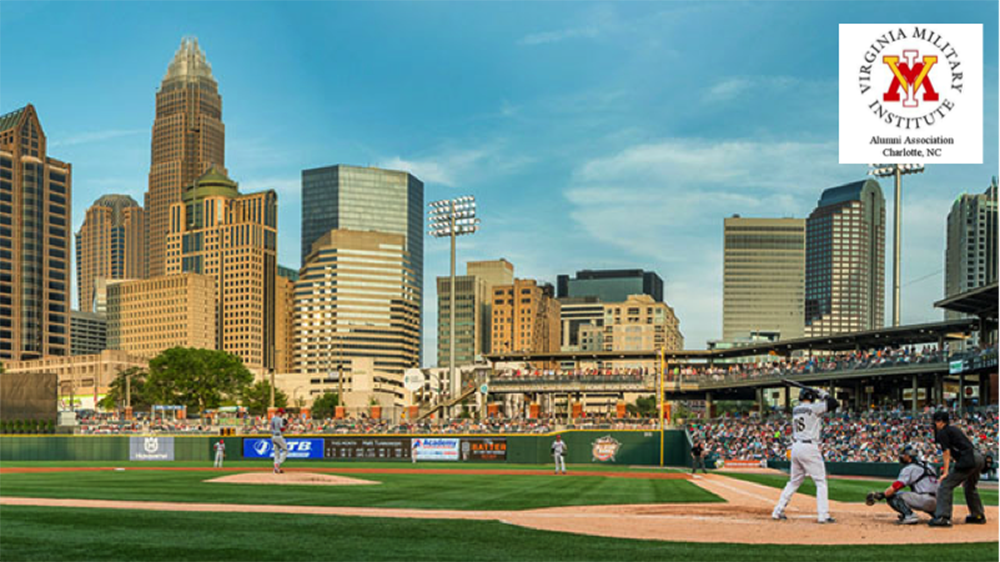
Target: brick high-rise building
(188, 139)
(525, 318)
(110, 245)
(284, 318)
(35, 213)
(216, 231)
(845, 260)
(640, 323)
(148, 316)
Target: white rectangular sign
(911, 93)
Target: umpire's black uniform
(966, 464)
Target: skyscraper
(216, 231)
(366, 199)
(764, 277)
(524, 318)
(188, 139)
(610, 285)
(971, 252)
(284, 318)
(89, 332)
(35, 214)
(110, 245)
(356, 298)
(472, 309)
(845, 260)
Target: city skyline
(574, 168)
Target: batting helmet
(807, 394)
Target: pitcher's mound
(291, 478)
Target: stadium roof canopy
(901, 335)
(981, 302)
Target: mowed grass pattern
(421, 491)
(845, 490)
(31, 533)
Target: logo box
(434, 449)
(483, 449)
(298, 448)
(150, 448)
(911, 93)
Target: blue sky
(594, 135)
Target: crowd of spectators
(793, 366)
(875, 436)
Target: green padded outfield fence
(626, 447)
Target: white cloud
(559, 35)
(286, 187)
(663, 203)
(93, 137)
(459, 167)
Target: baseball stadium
(485, 488)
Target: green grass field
(850, 490)
(419, 491)
(42, 533)
(30, 533)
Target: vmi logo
(910, 93)
(910, 76)
(912, 58)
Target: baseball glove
(873, 497)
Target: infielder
(220, 453)
(558, 451)
(278, 425)
(922, 481)
(807, 459)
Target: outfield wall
(626, 447)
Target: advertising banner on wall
(150, 448)
(482, 449)
(434, 449)
(301, 448)
(367, 448)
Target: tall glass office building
(365, 199)
(610, 285)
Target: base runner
(807, 459)
(278, 425)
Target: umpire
(968, 464)
(697, 458)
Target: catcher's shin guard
(898, 505)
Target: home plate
(291, 478)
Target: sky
(593, 135)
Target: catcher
(922, 481)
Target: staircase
(467, 392)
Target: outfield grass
(341, 464)
(422, 491)
(849, 490)
(33, 533)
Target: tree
(257, 398)
(196, 378)
(325, 406)
(645, 406)
(115, 398)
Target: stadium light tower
(452, 218)
(897, 171)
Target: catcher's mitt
(873, 497)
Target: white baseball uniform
(807, 459)
(220, 453)
(278, 441)
(558, 451)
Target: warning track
(348, 470)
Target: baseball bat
(800, 385)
